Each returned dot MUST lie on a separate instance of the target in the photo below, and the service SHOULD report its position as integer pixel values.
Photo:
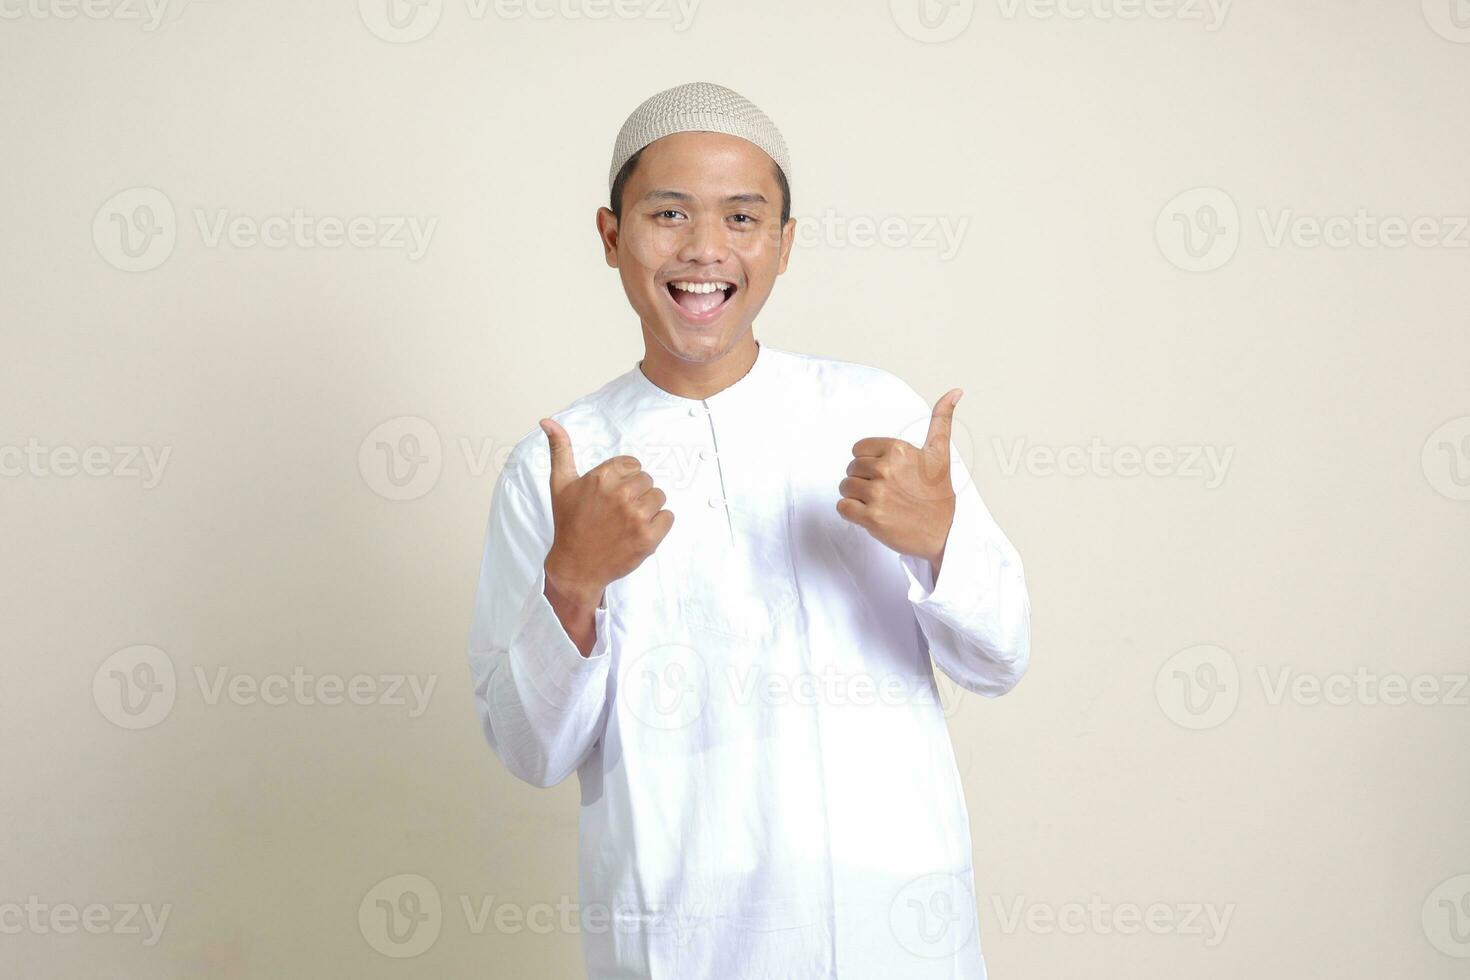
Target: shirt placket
(712, 465)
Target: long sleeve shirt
(768, 787)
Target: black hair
(626, 173)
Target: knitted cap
(697, 107)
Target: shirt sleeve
(542, 705)
(976, 618)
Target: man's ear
(788, 235)
(607, 231)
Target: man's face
(700, 242)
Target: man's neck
(697, 379)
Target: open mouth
(700, 301)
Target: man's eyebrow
(659, 194)
(663, 194)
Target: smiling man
(717, 588)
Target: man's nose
(705, 243)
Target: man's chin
(696, 344)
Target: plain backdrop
(1232, 450)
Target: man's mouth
(700, 301)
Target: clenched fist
(607, 522)
(901, 493)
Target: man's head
(699, 224)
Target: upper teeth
(700, 287)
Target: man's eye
(744, 219)
(669, 213)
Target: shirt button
(694, 413)
(707, 454)
(715, 501)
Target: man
(713, 588)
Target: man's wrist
(936, 557)
(578, 596)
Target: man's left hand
(901, 493)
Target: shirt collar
(745, 387)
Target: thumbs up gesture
(607, 521)
(901, 493)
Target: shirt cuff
(553, 666)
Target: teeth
(700, 287)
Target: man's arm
(540, 700)
(538, 647)
(976, 616)
(920, 501)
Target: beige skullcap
(697, 107)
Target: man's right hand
(607, 522)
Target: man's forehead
(686, 166)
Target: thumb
(563, 467)
(942, 421)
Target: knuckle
(649, 535)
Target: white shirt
(768, 789)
